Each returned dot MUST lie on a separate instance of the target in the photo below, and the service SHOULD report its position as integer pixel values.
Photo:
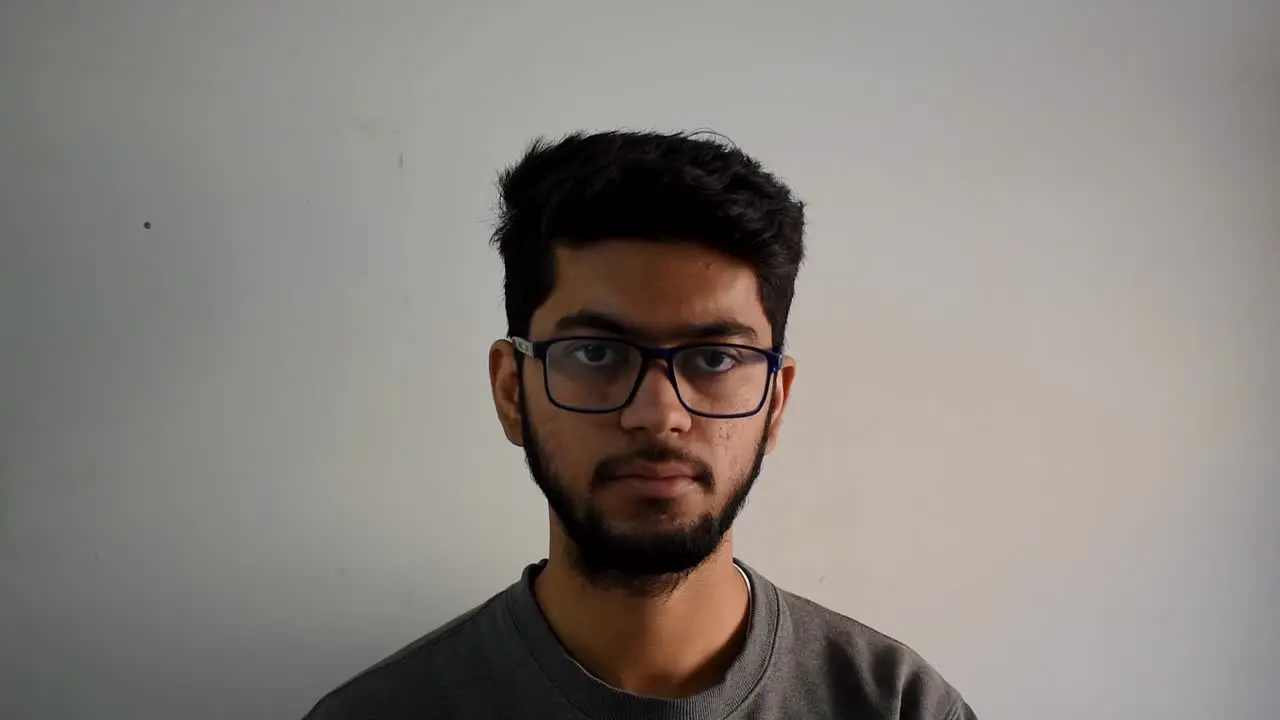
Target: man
(648, 282)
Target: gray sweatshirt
(502, 661)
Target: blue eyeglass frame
(537, 349)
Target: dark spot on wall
(146, 225)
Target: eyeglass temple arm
(522, 345)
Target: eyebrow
(602, 322)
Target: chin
(649, 515)
(653, 529)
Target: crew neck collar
(596, 698)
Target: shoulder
(874, 670)
(422, 672)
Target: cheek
(734, 447)
(570, 442)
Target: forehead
(658, 288)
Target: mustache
(611, 467)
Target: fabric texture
(502, 661)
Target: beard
(639, 563)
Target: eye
(715, 360)
(593, 354)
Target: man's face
(598, 471)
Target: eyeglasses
(602, 375)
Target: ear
(781, 393)
(504, 380)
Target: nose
(656, 407)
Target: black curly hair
(662, 187)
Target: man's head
(648, 282)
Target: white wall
(250, 450)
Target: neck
(673, 644)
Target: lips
(666, 480)
(669, 487)
(669, 472)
